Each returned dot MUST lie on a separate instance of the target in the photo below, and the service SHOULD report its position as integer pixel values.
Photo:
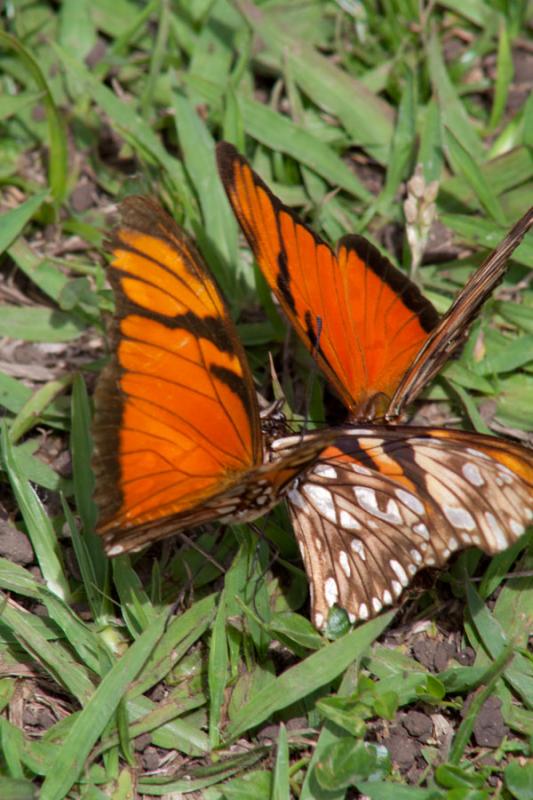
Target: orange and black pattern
(377, 339)
(177, 427)
(363, 320)
(382, 501)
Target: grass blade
(463, 164)
(452, 111)
(367, 118)
(31, 413)
(58, 159)
(13, 222)
(281, 786)
(218, 233)
(91, 722)
(297, 682)
(504, 76)
(37, 522)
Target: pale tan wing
(383, 503)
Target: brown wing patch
(381, 504)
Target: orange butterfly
(383, 501)
(177, 430)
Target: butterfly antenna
(192, 574)
(187, 588)
(204, 553)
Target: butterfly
(177, 430)
(383, 500)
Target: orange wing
(374, 335)
(362, 319)
(177, 429)
(176, 411)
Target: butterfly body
(383, 500)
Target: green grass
(335, 104)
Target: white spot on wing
(331, 591)
(393, 513)
(396, 588)
(360, 470)
(326, 471)
(516, 527)
(506, 475)
(345, 563)
(471, 451)
(228, 509)
(116, 550)
(297, 500)
(348, 521)
(376, 604)
(416, 556)
(387, 598)
(459, 518)
(322, 499)
(357, 547)
(421, 530)
(363, 611)
(499, 539)
(399, 571)
(472, 474)
(410, 500)
(368, 501)
(319, 620)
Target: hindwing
(384, 502)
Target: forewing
(176, 413)
(362, 319)
(453, 328)
(383, 503)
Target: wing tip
(226, 156)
